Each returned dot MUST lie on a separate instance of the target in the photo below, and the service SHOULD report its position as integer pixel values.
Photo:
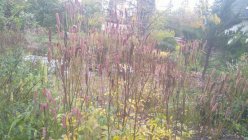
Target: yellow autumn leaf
(164, 54)
(116, 138)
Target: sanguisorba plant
(113, 70)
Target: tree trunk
(208, 55)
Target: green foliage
(19, 80)
(192, 33)
(231, 14)
(167, 44)
(165, 37)
(93, 16)
(1, 14)
(14, 15)
(44, 11)
(19, 14)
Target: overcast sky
(162, 4)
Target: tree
(92, 14)
(230, 13)
(13, 15)
(145, 10)
(211, 31)
(44, 11)
(232, 31)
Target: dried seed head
(213, 100)
(214, 108)
(49, 55)
(202, 98)
(50, 36)
(44, 132)
(63, 121)
(76, 112)
(43, 107)
(58, 22)
(228, 112)
(86, 78)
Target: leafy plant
(19, 79)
